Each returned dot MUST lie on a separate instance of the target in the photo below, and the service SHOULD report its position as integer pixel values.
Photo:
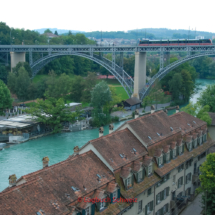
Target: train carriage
(180, 42)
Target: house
(149, 164)
(132, 103)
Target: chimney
(177, 109)
(111, 128)
(76, 150)
(136, 114)
(12, 180)
(152, 109)
(101, 131)
(45, 162)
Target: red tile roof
(153, 128)
(125, 172)
(29, 198)
(147, 160)
(121, 142)
(137, 166)
(80, 171)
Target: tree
(47, 31)
(11, 83)
(207, 178)
(56, 33)
(89, 83)
(187, 85)
(25, 65)
(77, 88)
(175, 85)
(70, 33)
(52, 112)
(22, 83)
(207, 97)
(100, 99)
(6, 100)
(3, 73)
(198, 111)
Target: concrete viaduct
(136, 87)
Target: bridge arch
(164, 71)
(124, 79)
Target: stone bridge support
(139, 73)
(16, 57)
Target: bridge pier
(139, 73)
(16, 57)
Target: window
(139, 206)
(167, 157)
(188, 178)
(189, 146)
(189, 191)
(149, 207)
(181, 167)
(139, 176)
(87, 211)
(128, 181)
(188, 163)
(149, 170)
(195, 143)
(173, 179)
(158, 198)
(160, 160)
(205, 138)
(180, 182)
(180, 150)
(115, 195)
(149, 191)
(164, 193)
(166, 177)
(173, 153)
(102, 205)
(165, 208)
(180, 194)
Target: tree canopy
(6, 100)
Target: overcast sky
(110, 15)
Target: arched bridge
(136, 87)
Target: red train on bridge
(181, 42)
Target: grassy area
(38, 78)
(121, 92)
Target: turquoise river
(27, 157)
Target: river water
(27, 157)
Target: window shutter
(182, 148)
(161, 211)
(157, 198)
(162, 195)
(93, 209)
(178, 182)
(167, 207)
(111, 197)
(171, 154)
(164, 158)
(79, 213)
(126, 184)
(145, 209)
(118, 193)
(177, 150)
(143, 173)
(132, 180)
(167, 191)
(181, 180)
(83, 212)
(186, 179)
(98, 206)
(151, 206)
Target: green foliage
(198, 111)
(26, 67)
(47, 31)
(207, 97)
(3, 73)
(52, 112)
(6, 100)
(207, 179)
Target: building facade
(149, 165)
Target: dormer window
(189, 146)
(140, 176)
(167, 157)
(128, 182)
(173, 153)
(149, 169)
(180, 149)
(160, 160)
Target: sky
(111, 15)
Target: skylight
(74, 188)
(171, 128)
(99, 176)
(194, 122)
(158, 134)
(134, 150)
(111, 159)
(188, 124)
(121, 155)
(149, 137)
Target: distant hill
(60, 31)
